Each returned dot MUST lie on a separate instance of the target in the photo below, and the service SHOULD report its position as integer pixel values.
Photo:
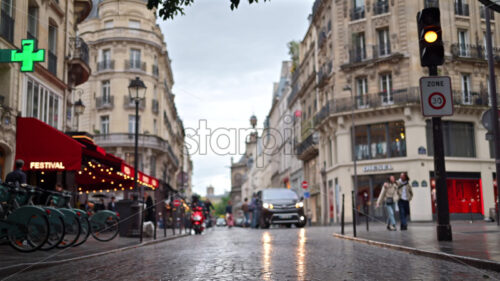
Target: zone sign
(435, 96)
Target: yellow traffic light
(430, 36)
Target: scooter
(197, 220)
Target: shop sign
(47, 166)
(422, 150)
(377, 168)
(423, 183)
(307, 195)
(414, 184)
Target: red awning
(143, 179)
(43, 147)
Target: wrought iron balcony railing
(358, 13)
(135, 65)
(473, 51)
(381, 7)
(357, 55)
(106, 65)
(80, 49)
(130, 103)
(105, 102)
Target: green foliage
(293, 51)
(171, 8)
(220, 208)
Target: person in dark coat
(112, 205)
(17, 176)
(150, 212)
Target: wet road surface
(247, 254)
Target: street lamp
(137, 92)
(353, 143)
(79, 109)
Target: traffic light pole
(494, 104)
(443, 211)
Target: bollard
(367, 210)
(353, 214)
(342, 216)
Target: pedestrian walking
(405, 194)
(254, 210)
(246, 212)
(150, 210)
(229, 214)
(388, 198)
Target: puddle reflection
(266, 257)
(301, 254)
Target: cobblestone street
(247, 254)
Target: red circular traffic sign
(177, 202)
(437, 100)
(305, 184)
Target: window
(359, 46)
(463, 43)
(431, 3)
(466, 93)
(461, 8)
(386, 88)
(105, 125)
(106, 55)
(155, 126)
(458, 138)
(134, 24)
(135, 58)
(330, 152)
(152, 167)
(131, 124)
(376, 141)
(106, 92)
(361, 92)
(358, 10)
(484, 45)
(41, 103)
(53, 49)
(108, 24)
(384, 47)
(32, 22)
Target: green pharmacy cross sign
(27, 56)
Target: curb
(475, 262)
(12, 269)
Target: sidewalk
(11, 259)
(478, 240)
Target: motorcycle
(197, 220)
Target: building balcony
(461, 9)
(324, 73)
(104, 102)
(357, 13)
(130, 104)
(381, 7)
(381, 50)
(7, 27)
(431, 4)
(82, 9)
(135, 65)
(307, 148)
(306, 128)
(473, 52)
(145, 141)
(357, 55)
(155, 106)
(52, 63)
(106, 65)
(398, 97)
(78, 61)
(482, 13)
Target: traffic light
(429, 36)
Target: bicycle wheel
(72, 229)
(56, 233)
(105, 228)
(30, 236)
(84, 235)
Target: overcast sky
(224, 64)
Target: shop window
(458, 138)
(384, 140)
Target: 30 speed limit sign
(435, 96)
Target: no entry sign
(305, 184)
(435, 96)
(177, 203)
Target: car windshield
(279, 194)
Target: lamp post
(137, 92)
(353, 144)
(79, 109)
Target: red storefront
(76, 162)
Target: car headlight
(267, 206)
(299, 205)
